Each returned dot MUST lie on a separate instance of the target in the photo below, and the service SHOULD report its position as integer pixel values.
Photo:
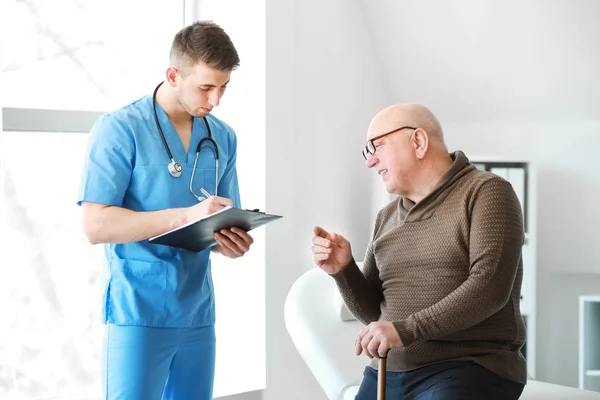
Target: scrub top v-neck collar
(175, 142)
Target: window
(84, 55)
(50, 337)
(60, 70)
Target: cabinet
(589, 342)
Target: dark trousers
(452, 380)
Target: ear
(420, 142)
(173, 76)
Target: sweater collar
(410, 212)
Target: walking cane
(381, 377)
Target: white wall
(514, 78)
(323, 86)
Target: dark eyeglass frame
(370, 146)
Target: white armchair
(324, 334)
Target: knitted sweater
(447, 272)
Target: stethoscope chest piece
(175, 169)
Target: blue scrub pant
(451, 380)
(142, 363)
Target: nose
(372, 160)
(215, 97)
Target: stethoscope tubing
(174, 167)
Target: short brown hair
(207, 42)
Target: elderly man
(442, 274)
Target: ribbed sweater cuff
(350, 273)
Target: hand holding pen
(208, 205)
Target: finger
(244, 237)
(214, 207)
(358, 347)
(221, 249)
(225, 251)
(232, 246)
(338, 239)
(358, 341)
(319, 258)
(237, 240)
(243, 234)
(321, 241)
(227, 243)
(320, 250)
(373, 347)
(383, 349)
(364, 338)
(318, 231)
(222, 201)
(365, 344)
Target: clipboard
(199, 235)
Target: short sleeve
(109, 163)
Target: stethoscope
(174, 167)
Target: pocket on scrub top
(137, 292)
(144, 276)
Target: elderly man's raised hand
(332, 252)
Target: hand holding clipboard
(198, 234)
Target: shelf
(591, 297)
(589, 346)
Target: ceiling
(488, 59)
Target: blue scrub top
(150, 284)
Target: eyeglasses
(370, 146)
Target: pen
(204, 192)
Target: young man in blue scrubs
(159, 300)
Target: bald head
(410, 162)
(406, 114)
